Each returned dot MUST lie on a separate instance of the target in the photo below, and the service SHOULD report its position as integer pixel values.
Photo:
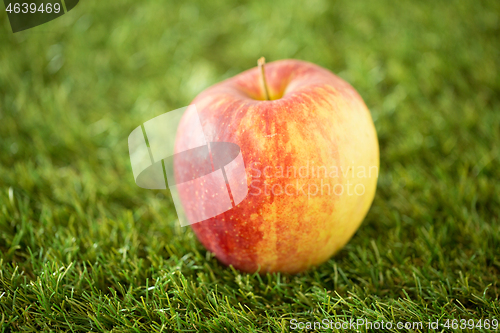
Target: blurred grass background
(82, 248)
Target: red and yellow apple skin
(314, 121)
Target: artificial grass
(82, 248)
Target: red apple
(311, 160)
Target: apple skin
(314, 119)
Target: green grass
(82, 248)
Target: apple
(311, 160)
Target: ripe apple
(311, 158)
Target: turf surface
(82, 248)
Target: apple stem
(261, 63)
